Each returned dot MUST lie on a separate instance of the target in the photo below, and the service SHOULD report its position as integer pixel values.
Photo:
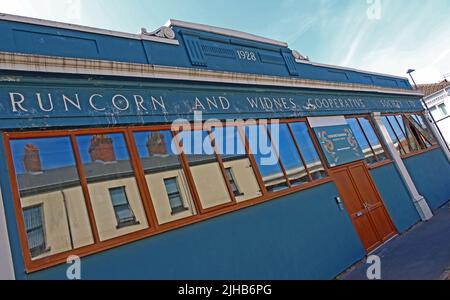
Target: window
(208, 175)
(238, 167)
(266, 158)
(54, 209)
(160, 159)
(289, 155)
(124, 213)
(306, 146)
(443, 109)
(80, 188)
(175, 198)
(285, 155)
(409, 133)
(34, 225)
(106, 164)
(232, 182)
(367, 140)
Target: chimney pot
(101, 149)
(31, 159)
(156, 144)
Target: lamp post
(409, 72)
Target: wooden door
(364, 205)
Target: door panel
(382, 224)
(364, 205)
(367, 234)
(347, 191)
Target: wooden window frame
(378, 164)
(154, 227)
(405, 155)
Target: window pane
(411, 138)
(174, 194)
(310, 155)
(124, 213)
(399, 132)
(34, 226)
(290, 158)
(106, 165)
(362, 141)
(443, 109)
(240, 172)
(118, 196)
(266, 158)
(426, 134)
(205, 169)
(392, 134)
(47, 177)
(171, 186)
(373, 139)
(160, 160)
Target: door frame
(362, 163)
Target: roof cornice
(226, 32)
(63, 65)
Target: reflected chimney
(31, 159)
(101, 149)
(156, 144)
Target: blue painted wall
(431, 174)
(197, 49)
(396, 197)
(300, 236)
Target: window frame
(154, 228)
(182, 208)
(402, 152)
(43, 248)
(120, 223)
(388, 159)
(232, 180)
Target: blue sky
(402, 34)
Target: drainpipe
(418, 200)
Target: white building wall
(439, 105)
(6, 263)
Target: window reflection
(265, 157)
(419, 135)
(290, 157)
(373, 139)
(238, 168)
(367, 140)
(107, 167)
(310, 155)
(54, 208)
(425, 135)
(165, 177)
(206, 171)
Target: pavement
(422, 253)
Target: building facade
(106, 155)
(437, 97)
